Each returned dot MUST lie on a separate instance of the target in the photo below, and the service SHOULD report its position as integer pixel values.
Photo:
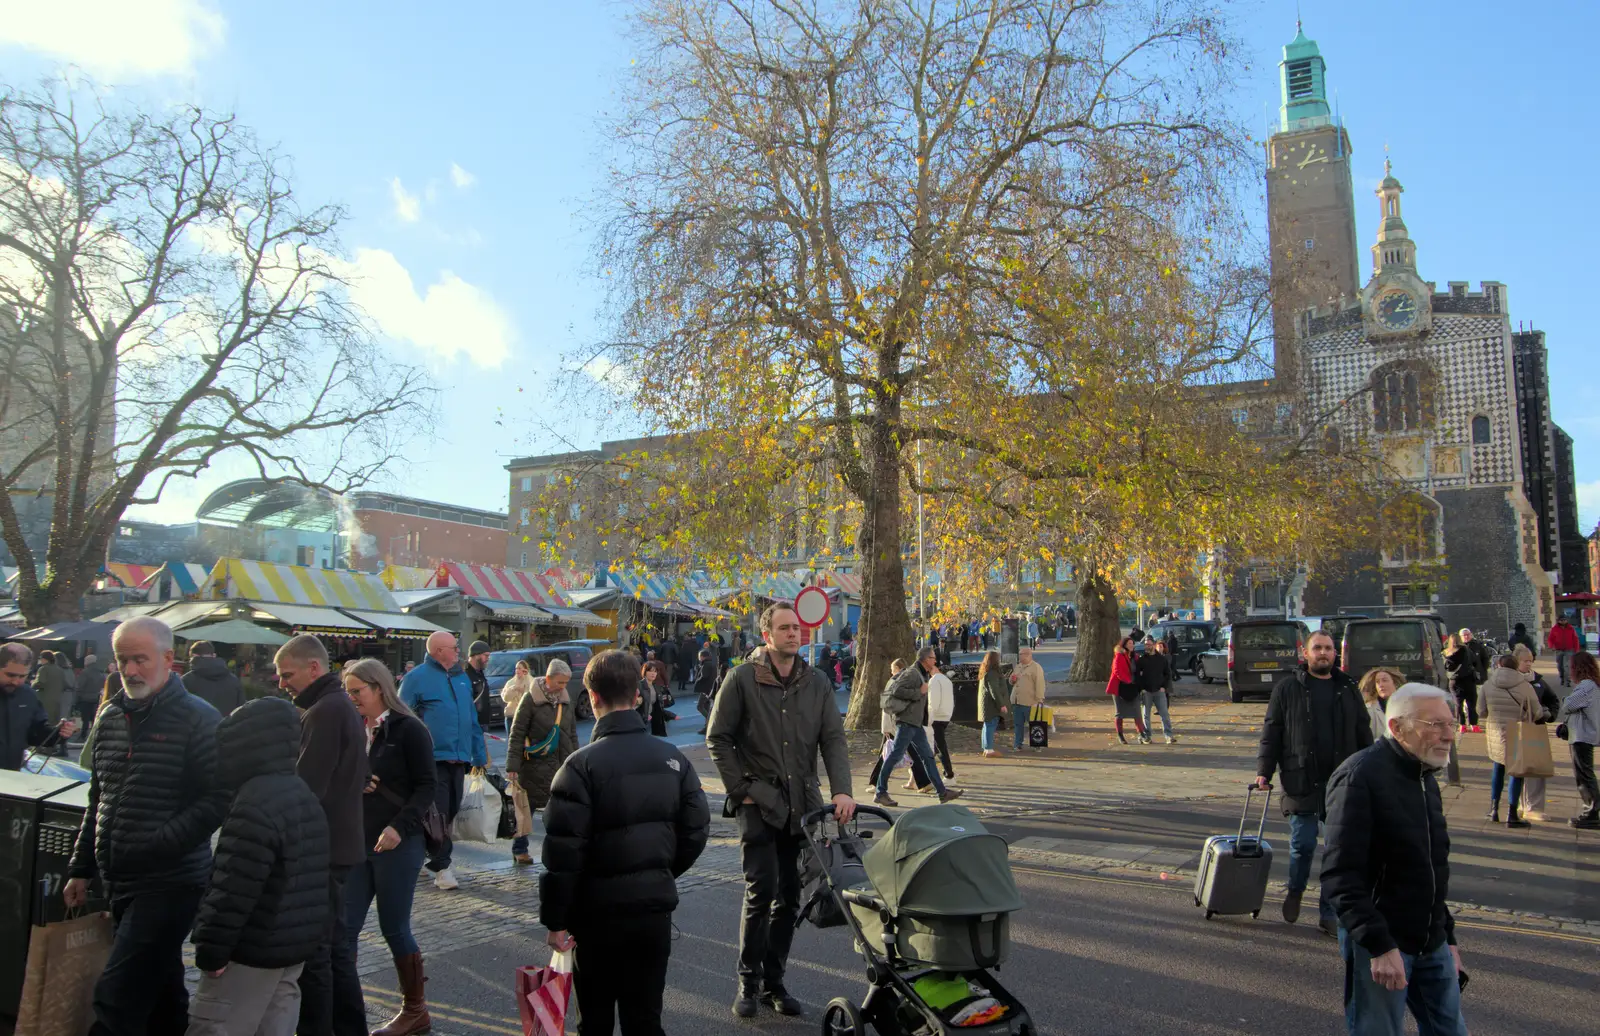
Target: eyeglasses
(1438, 726)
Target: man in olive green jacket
(768, 722)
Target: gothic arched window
(1481, 432)
(1411, 529)
(1402, 397)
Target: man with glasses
(1315, 721)
(1386, 870)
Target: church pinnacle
(1303, 81)
(1394, 247)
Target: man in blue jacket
(24, 721)
(440, 693)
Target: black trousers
(771, 859)
(141, 989)
(940, 748)
(449, 781)
(620, 974)
(330, 989)
(1469, 705)
(1583, 771)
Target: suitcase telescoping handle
(1261, 831)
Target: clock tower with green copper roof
(1311, 213)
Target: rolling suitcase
(1232, 878)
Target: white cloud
(406, 205)
(450, 317)
(118, 37)
(1588, 506)
(460, 177)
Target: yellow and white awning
(297, 584)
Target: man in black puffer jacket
(267, 906)
(154, 801)
(1386, 869)
(626, 818)
(210, 678)
(1315, 721)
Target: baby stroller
(929, 904)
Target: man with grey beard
(1386, 871)
(154, 802)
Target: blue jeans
(1433, 993)
(916, 739)
(1019, 723)
(1497, 782)
(1159, 700)
(391, 878)
(990, 726)
(1303, 830)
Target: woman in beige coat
(1506, 698)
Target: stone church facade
(1427, 378)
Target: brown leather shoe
(413, 1017)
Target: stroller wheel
(842, 1018)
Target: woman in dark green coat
(992, 695)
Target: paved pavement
(1104, 838)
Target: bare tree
(165, 300)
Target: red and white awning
(490, 582)
(849, 582)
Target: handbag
(507, 827)
(432, 821)
(547, 744)
(1528, 750)
(64, 960)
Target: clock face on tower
(1397, 310)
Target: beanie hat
(478, 648)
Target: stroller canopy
(941, 861)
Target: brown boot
(413, 1017)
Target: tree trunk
(58, 599)
(885, 632)
(1098, 629)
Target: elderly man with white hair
(154, 802)
(440, 693)
(1386, 870)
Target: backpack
(836, 864)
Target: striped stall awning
(130, 576)
(296, 584)
(651, 587)
(776, 587)
(187, 577)
(570, 578)
(849, 582)
(403, 577)
(515, 585)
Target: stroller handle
(827, 811)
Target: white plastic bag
(473, 822)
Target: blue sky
(464, 141)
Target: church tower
(1311, 214)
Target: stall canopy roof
(578, 617)
(849, 582)
(396, 624)
(131, 576)
(235, 631)
(512, 585)
(571, 578)
(515, 610)
(401, 577)
(130, 611)
(297, 584)
(315, 619)
(186, 577)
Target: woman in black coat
(1464, 681)
(400, 754)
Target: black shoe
(1586, 823)
(779, 1000)
(1124, 740)
(1516, 821)
(745, 1005)
(1291, 905)
(1329, 927)
(1493, 815)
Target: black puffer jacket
(210, 678)
(154, 799)
(1288, 745)
(626, 817)
(1386, 861)
(267, 903)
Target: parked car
(1261, 652)
(503, 666)
(1409, 643)
(1212, 663)
(1186, 640)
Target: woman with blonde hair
(992, 695)
(399, 793)
(1376, 687)
(1464, 681)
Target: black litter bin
(39, 817)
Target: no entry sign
(811, 606)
